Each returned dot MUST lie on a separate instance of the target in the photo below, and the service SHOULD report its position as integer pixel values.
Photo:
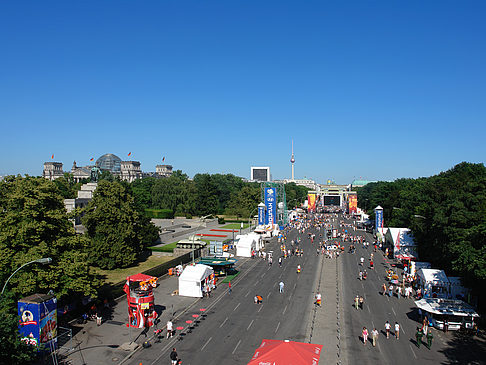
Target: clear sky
(371, 89)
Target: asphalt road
(234, 326)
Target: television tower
(292, 160)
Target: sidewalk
(324, 322)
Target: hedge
(159, 213)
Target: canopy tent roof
(196, 272)
(433, 275)
(406, 237)
(286, 352)
(446, 306)
(217, 261)
(140, 277)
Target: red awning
(139, 277)
(286, 352)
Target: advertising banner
(312, 202)
(38, 320)
(353, 204)
(261, 216)
(378, 219)
(270, 196)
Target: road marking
(256, 282)
(269, 293)
(367, 307)
(247, 328)
(285, 309)
(247, 293)
(238, 344)
(401, 329)
(394, 312)
(210, 338)
(222, 324)
(236, 306)
(263, 274)
(259, 309)
(413, 352)
(295, 285)
(278, 325)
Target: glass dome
(109, 162)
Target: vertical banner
(312, 202)
(271, 205)
(378, 219)
(261, 215)
(353, 204)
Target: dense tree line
(447, 215)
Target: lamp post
(45, 260)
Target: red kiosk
(140, 297)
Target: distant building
(308, 183)
(80, 173)
(109, 162)
(360, 183)
(52, 170)
(163, 170)
(130, 171)
(260, 174)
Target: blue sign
(261, 216)
(378, 218)
(271, 205)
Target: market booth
(140, 298)
(220, 265)
(458, 313)
(245, 244)
(193, 280)
(286, 352)
(433, 282)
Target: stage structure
(280, 201)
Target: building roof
(406, 236)
(433, 275)
(446, 306)
(196, 273)
(109, 162)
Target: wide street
(229, 327)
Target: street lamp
(45, 260)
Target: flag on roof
(91, 159)
(163, 159)
(129, 153)
(52, 157)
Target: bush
(188, 216)
(221, 220)
(159, 213)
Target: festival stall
(245, 244)
(433, 282)
(194, 279)
(140, 298)
(457, 313)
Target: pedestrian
(374, 336)
(170, 329)
(397, 330)
(429, 339)
(365, 335)
(418, 336)
(281, 287)
(387, 329)
(318, 299)
(173, 356)
(229, 287)
(99, 318)
(209, 291)
(399, 292)
(280, 261)
(361, 301)
(360, 275)
(383, 288)
(356, 301)
(390, 291)
(446, 325)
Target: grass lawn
(230, 277)
(117, 275)
(235, 226)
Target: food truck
(457, 313)
(140, 298)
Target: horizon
(375, 90)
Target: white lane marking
(259, 309)
(210, 338)
(284, 309)
(367, 307)
(278, 325)
(394, 312)
(413, 352)
(247, 293)
(402, 330)
(247, 328)
(256, 282)
(238, 344)
(222, 324)
(269, 293)
(263, 274)
(236, 306)
(295, 285)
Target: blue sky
(371, 89)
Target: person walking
(173, 356)
(418, 337)
(397, 330)
(318, 299)
(281, 287)
(365, 335)
(356, 301)
(229, 287)
(374, 336)
(387, 329)
(390, 291)
(430, 336)
(361, 302)
(170, 329)
(280, 261)
(383, 288)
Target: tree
(34, 224)
(243, 202)
(118, 232)
(206, 195)
(13, 351)
(142, 189)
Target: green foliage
(12, 350)
(118, 232)
(446, 213)
(142, 192)
(245, 201)
(206, 195)
(34, 224)
(221, 220)
(295, 194)
(166, 248)
(159, 213)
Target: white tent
(191, 281)
(434, 281)
(245, 244)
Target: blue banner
(271, 205)
(378, 218)
(261, 216)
